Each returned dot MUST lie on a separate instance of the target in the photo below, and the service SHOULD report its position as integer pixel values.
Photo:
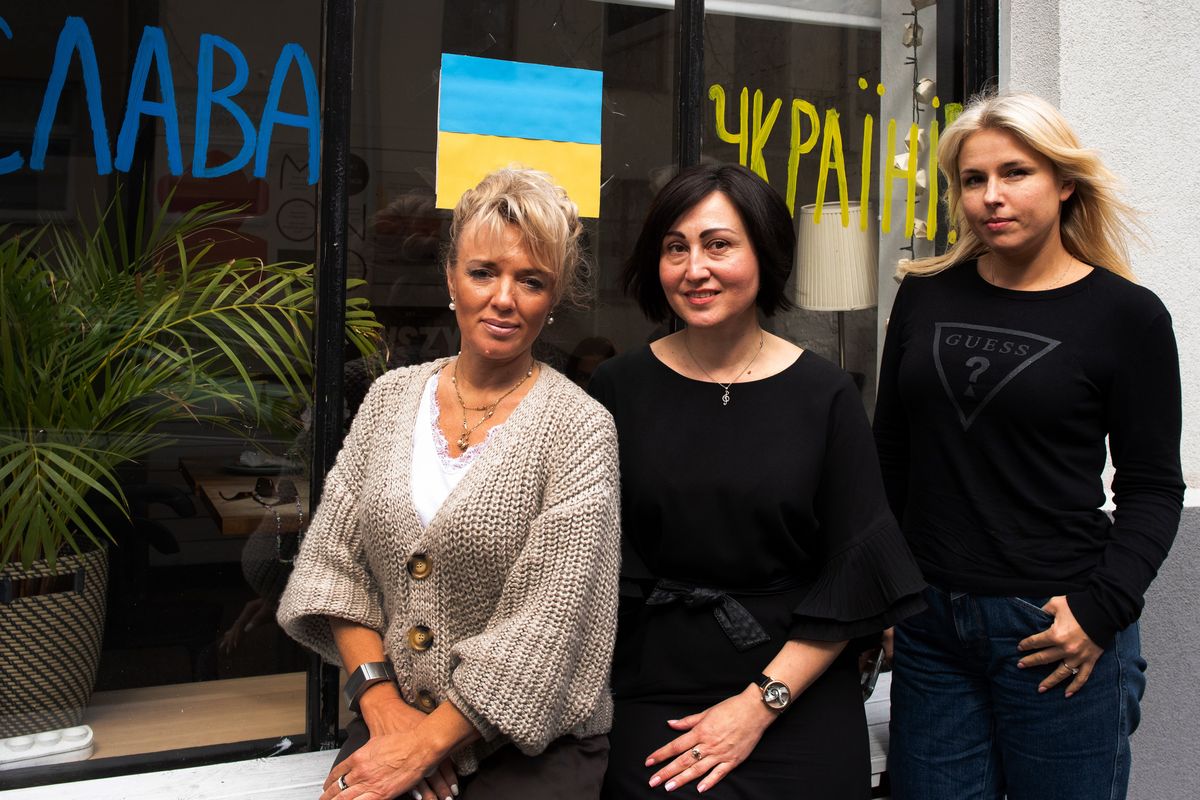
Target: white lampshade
(836, 265)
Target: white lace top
(435, 472)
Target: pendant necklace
(725, 397)
(488, 410)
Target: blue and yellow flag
(494, 114)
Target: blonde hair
(546, 219)
(1094, 224)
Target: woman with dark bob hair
(756, 535)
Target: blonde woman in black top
(1008, 361)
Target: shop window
(189, 652)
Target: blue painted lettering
(206, 97)
(272, 116)
(152, 51)
(75, 36)
(14, 160)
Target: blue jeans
(967, 724)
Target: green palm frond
(108, 333)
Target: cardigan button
(426, 701)
(419, 566)
(420, 638)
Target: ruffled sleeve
(867, 579)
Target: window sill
(297, 777)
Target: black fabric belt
(743, 630)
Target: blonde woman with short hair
(462, 565)
(1008, 363)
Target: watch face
(776, 695)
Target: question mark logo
(980, 365)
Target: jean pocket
(1032, 606)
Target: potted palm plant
(106, 332)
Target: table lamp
(836, 264)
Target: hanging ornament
(925, 91)
(913, 34)
(922, 140)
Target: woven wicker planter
(51, 625)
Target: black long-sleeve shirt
(991, 419)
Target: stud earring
(452, 306)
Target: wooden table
(245, 516)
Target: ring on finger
(1074, 670)
(696, 753)
(341, 782)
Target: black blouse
(777, 493)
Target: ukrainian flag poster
(494, 114)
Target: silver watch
(363, 678)
(775, 694)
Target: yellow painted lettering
(864, 191)
(910, 204)
(892, 174)
(952, 111)
(716, 93)
(831, 145)
(800, 148)
(760, 133)
(889, 172)
(931, 206)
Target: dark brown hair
(763, 212)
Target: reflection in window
(190, 653)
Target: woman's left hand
(1063, 641)
(724, 735)
(385, 767)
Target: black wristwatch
(364, 678)
(775, 694)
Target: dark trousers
(569, 767)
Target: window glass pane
(805, 94)
(118, 369)
(397, 231)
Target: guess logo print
(975, 362)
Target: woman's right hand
(889, 639)
(386, 714)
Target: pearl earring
(452, 306)
(550, 320)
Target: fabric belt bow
(739, 624)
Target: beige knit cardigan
(522, 595)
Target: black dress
(771, 505)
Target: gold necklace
(464, 441)
(1062, 275)
(725, 397)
